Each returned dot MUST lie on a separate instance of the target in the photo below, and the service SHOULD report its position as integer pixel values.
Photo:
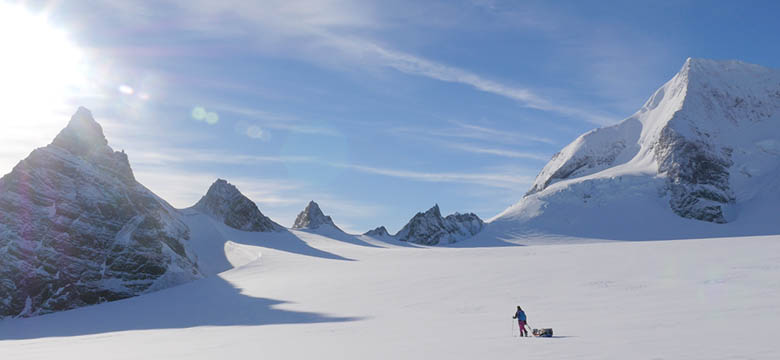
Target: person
(521, 321)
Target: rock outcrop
(430, 228)
(379, 232)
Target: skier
(521, 320)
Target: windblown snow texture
(312, 218)
(225, 203)
(707, 143)
(430, 228)
(76, 228)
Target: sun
(40, 72)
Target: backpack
(543, 332)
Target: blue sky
(374, 109)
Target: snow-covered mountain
(225, 203)
(701, 157)
(76, 228)
(312, 218)
(430, 228)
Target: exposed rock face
(710, 133)
(378, 232)
(430, 228)
(76, 228)
(312, 218)
(225, 203)
(697, 176)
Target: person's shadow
(208, 302)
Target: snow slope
(699, 159)
(308, 296)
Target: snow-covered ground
(300, 295)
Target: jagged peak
(82, 134)
(430, 228)
(312, 217)
(380, 231)
(434, 211)
(223, 189)
(225, 202)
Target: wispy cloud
(499, 152)
(336, 32)
(485, 137)
(275, 121)
(501, 180)
(181, 156)
(464, 130)
(173, 156)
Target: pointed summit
(225, 203)
(82, 135)
(312, 218)
(434, 211)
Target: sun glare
(40, 70)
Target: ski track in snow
(326, 298)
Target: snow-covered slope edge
(700, 158)
(76, 228)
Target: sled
(542, 332)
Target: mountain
(312, 218)
(430, 228)
(76, 228)
(379, 232)
(701, 157)
(225, 203)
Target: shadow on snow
(212, 301)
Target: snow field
(690, 299)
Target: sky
(374, 109)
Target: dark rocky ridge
(430, 228)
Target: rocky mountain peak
(90, 233)
(82, 135)
(223, 190)
(430, 228)
(224, 202)
(378, 232)
(434, 211)
(312, 217)
(705, 141)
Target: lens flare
(40, 71)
